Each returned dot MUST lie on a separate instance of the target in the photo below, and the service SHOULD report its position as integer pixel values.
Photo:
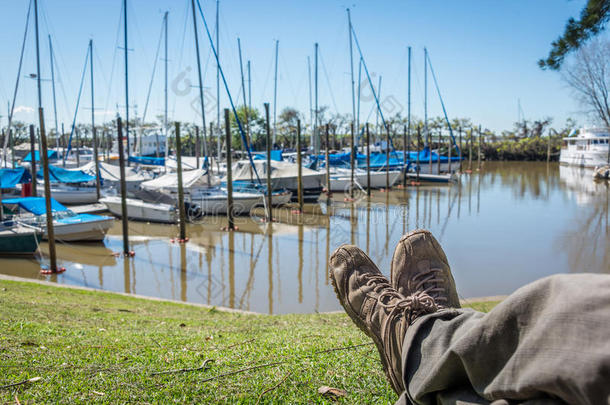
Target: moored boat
(140, 210)
(16, 239)
(590, 148)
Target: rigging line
(182, 41)
(116, 50)
(330, 89)
(366, 70)
(267, 76)
(438, 90)
(80, 90)
(224, 80)
(152, 77)
(10, 117)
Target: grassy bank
(101, 347)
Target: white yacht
(589, 148)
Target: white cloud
(23, 109)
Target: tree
(589, 77)
(592, 21)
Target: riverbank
(94, 346)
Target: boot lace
(430, 282)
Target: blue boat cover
(35, 205)
(81, 218)
(275, 155)
(61, 175)
(147, 160)
(51, 154)
(9, 178)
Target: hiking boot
(420, 265)
(375, 307)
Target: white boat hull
(583, 158)
(90, 231)
(378, 180)
(217, 203)
(71, 195)
(142, 211)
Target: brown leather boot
(420, 265)
(375, 307)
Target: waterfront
(510, 224)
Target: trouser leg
(549, 339)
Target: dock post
(479, 151)
(124, 214)
(368, 161)
(352, 161)
(181, 209)
(405, 136)
(387, 158)
(328, 192)
(449, 156)
(430, 152)
(33, 154)
(548, 148)
(268, 143)
(47, 190)
(440, 142)
(417, 157)
(299, 168)
(230, 222)
(470, 149)
(460, 150)
(197, 146)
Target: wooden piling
(470, 149)
(124, 215)
(352, 161)
(368, 161)
(328, 192)
(230, 222)
(299, 168)
(387, 158)
(479, 151)
(438, 159)
(417, 156)
(97, 164)
(429, 150)
(33, 154)
(47, 191)
(181, 209)
(460, 150)
(449, 155)
(405, 138)
(548, 148)
(197, 146)
(269, 188)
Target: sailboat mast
(205, 146)
(426, 96)
(359, 91)
(315, 112)
(249, 88)
(165, 18)
(53, 87)
(37, 56)
(93, 133)
(351, 65)
(126, 80)
(218, 154)
(310, 95)
(277, 42)
(243, 89)
(408, 99)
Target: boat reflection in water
(502, 227)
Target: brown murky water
(501, 228)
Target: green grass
(103, 347)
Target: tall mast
(93, 133)
(377, 130)
(426, 95)
(165, 17)
(310, 96)
(315, 112)
(218, 80)
(243, 89)
(53, 86)
(126, 80)
(358, 104)
(277, 42)
(351, 64)
(37, 55)
(205, 146)
(408, 98)
(249, 88)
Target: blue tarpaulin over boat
(35, 205)
(9, 178)
(61, 175)
(148, 160)
(51, 154)
(275, 155)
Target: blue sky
(484, 54)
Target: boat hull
(583, 158)
(139, 210)
(18, 243)
(217, 204)
(71, 195)
(378, 180)
(89, 231)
